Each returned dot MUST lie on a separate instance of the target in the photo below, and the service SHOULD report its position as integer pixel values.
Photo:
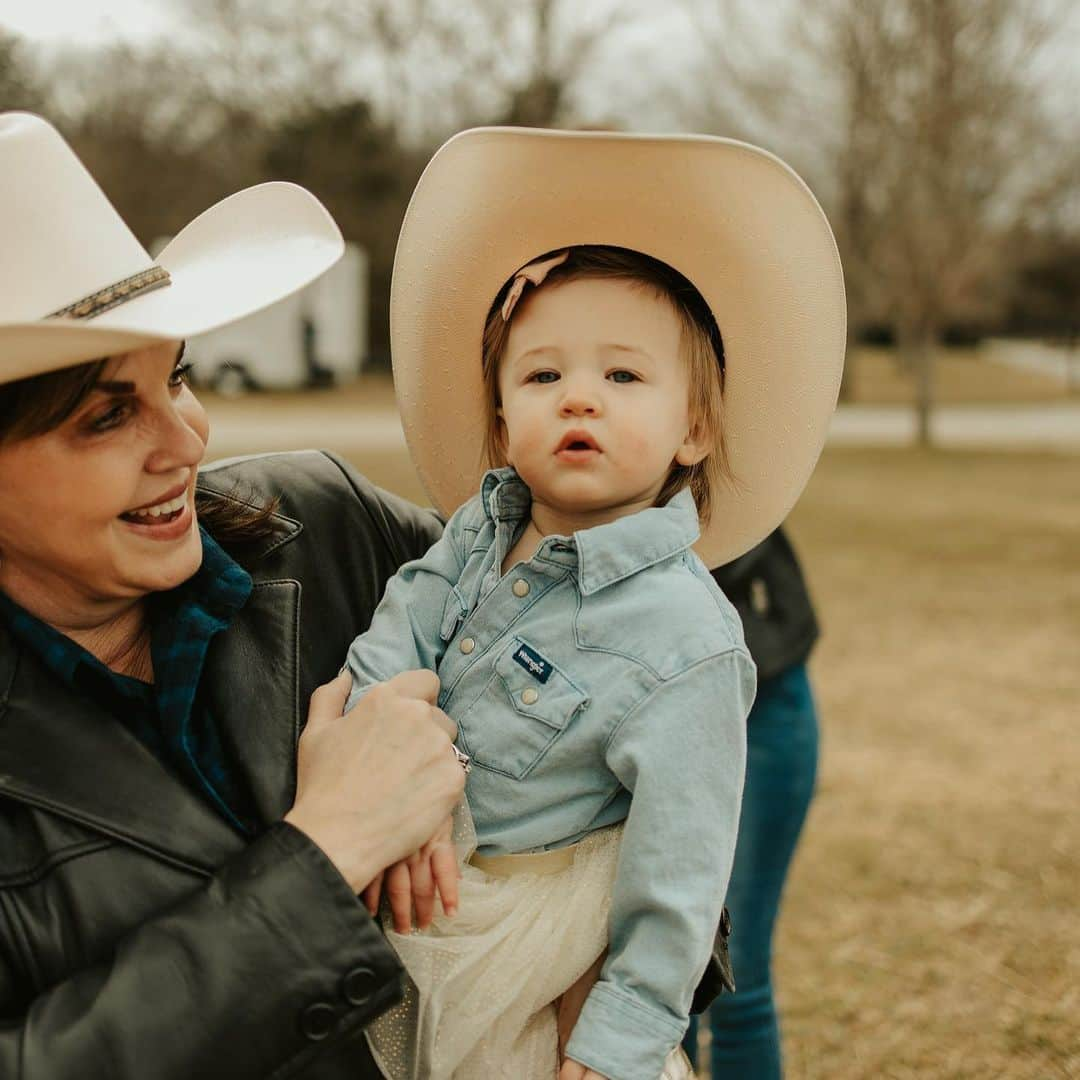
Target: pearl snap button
(521, 587)
(530, 696)
(467, 645)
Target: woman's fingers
(328, 700)
(374, 785)
(420, 684)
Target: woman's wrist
(356, 854)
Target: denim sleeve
(405, 629)
(681, 752)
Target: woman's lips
(167, 527)
(166, 519)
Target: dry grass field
(930, 928)
(931, 922)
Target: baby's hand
(572, 1070)
(412, 883)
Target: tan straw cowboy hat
(732, 218)
(76, 285)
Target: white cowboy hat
(732, 218)
(76, 285)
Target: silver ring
(462, 758)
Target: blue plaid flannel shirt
(168, 715)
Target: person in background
(767, 587)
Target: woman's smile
(167, 519)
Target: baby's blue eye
(623, 376)
(545, 376)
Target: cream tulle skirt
(480, 999)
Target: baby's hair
(700, 344)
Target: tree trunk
(926, 346)
(917, 351)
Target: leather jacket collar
(64, 754)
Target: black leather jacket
(767, 587)
(140, 937)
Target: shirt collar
(220, 587)
(604, 554)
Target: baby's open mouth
(577, 440)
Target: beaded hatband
(113, 295)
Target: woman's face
(102, 508)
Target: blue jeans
(782, 744)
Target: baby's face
(595, 396)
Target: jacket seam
(40, 870)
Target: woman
(177, 897)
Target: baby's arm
(405, 630)
(681, 753)
(405, 633)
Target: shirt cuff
(621, 1038)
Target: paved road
(1038, 427)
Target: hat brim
(733, 218)
(243, 254)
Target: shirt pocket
(518, 717)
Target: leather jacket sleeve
(185, 993)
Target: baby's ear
(697, 445)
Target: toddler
(599, 681)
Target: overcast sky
(67, 21)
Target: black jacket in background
(768, 590)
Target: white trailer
(315, 337)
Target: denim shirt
(605, 679)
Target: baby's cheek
(639, 442)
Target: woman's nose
(180, 441)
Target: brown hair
(41, 403)
(700, 342)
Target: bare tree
(428, 67)
(922, 126)
(19, 88)
(943, 153)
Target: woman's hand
(373, 786)
(412, 883)
(572, 1070)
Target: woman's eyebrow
(108, 386)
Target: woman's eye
(622, 376)
(179, 375)
(544, 376)
(111, 418)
